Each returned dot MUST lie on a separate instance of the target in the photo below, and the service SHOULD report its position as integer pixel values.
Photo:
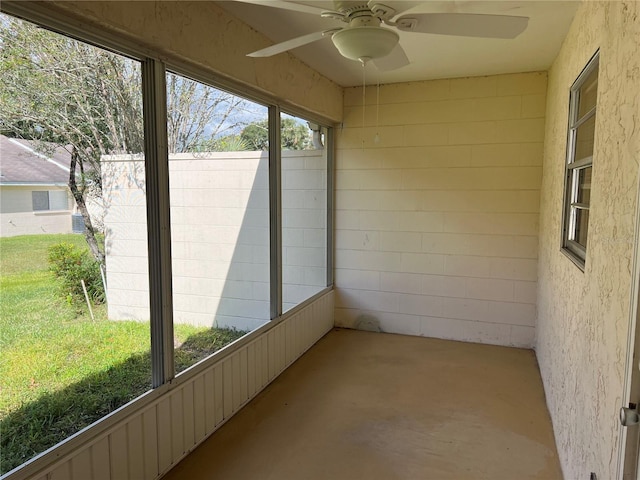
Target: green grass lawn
(60, 371)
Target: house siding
(17, 216)
(583, 316)
(437, 223)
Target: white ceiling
(431, 56)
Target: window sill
(577, 261)
(52, 212)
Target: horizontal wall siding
(437, 201)
(148, 443)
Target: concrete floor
(362, 405)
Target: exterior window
(58, 200)
(49, 200)
(582, 124)
(40, 200)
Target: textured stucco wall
(437, 222)
(583, 316)
(204, 34)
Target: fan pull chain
(376, 139)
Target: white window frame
(40, 202)
(570, 246)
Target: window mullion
(330, 203)
(275, 212)
(158, 220)
(579, 164)
(584, 118)
(573, 184)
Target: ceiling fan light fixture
(358, 43)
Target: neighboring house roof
(22, 164)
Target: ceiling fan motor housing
(364, 39)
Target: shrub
(71, 265)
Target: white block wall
(437, 222)
(304, 220)
(220, 235)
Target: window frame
(154, 68)
(328, 205)
(571, 207)
(34, 201)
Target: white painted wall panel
(62, 472)
(252, 384)
(236, 390)
(119, 453)
(177, 425)
(227, 386)
(262, 361)
(135, 446)
(150, 439)
(219, 394)
(100, 459)
(209, 398)
(188, 425)
(199, 409)
(81, 465)
(244, 375)
(165, 443)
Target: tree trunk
(78, 195)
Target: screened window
(72, 350)
(580, 142)
(219, 200)
(49, 200)
(40, 200)
(304, 210)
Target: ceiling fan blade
(294, 7)
(464, 24)
(398, 6)
(293, 43)
(396, 59)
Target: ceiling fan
(364, 38)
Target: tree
(229, 143)
(198, 116)
(62, 92)
(293, 136)
(59, 91)
(256, 135)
